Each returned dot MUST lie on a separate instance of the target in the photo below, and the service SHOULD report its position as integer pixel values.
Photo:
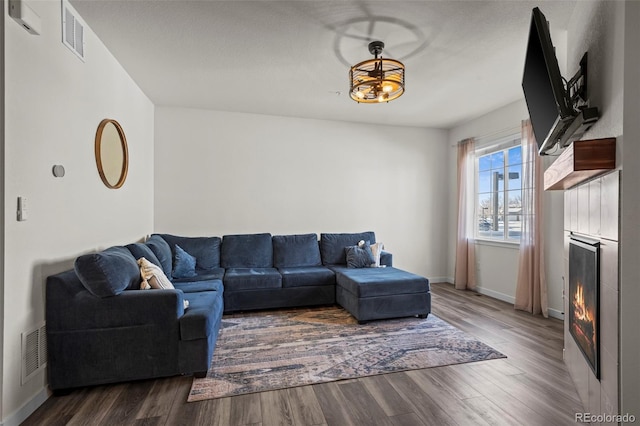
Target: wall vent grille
(34, 352)
(72, 30)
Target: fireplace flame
(584, 314)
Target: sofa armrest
(71, 307)
(386, 258)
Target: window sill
(515, 245)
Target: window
(499, 191)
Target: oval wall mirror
(112, 154)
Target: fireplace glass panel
(584, 308)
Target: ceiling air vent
(34, 352)
(72, 30)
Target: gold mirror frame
(112, 153)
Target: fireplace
(584, 289)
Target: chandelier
(376, 80)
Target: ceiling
(291, 58)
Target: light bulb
(359, 95)
(387, 88)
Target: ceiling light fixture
(376, 80)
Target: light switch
(22, 209)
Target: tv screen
(542, 84)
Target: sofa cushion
(206, 250)
(371, 282)
(153, 276)
(303, 276)
(332, 246)
(197, 286)
(184, 265)
(237, 279)
(291, 251)
(247, 251)
(202, 275)
(359, 256)
(109, 272)
(162, 251)
(199, 321)
(139, 250)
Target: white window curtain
(465, 270)
(531, 288)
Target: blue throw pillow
(184, 265)
(359, 257)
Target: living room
(197, 171)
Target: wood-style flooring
(530, 387)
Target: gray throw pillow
(359, 257)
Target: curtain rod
(506, 132)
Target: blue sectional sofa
(102, 328)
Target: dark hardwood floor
(530, 387)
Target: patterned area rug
(281, 349)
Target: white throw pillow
(376, 249)
(152, 276)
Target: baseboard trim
(19, 416)
(438, 279)
(554, 313)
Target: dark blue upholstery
(184, 265)
(307, 276)
(139, 250)
(137, 334)
(269, 298)
(378, 293)
(369, 282)
(197, 286)
(202, 275)
(199, 320)
(236, 279)
(296, 250)
(93, 340)
(162, 251)
(247, 251)
(332, 246)
(386, 258)
(109, 272)
(206, 250)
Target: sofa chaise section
(373, 293)
(101, 328)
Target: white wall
(220, 173)
(54, 104)
(497, 265)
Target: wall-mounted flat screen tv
(544, 90)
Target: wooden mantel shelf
(580, 161)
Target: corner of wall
(2, 167)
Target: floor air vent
(34, 352)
